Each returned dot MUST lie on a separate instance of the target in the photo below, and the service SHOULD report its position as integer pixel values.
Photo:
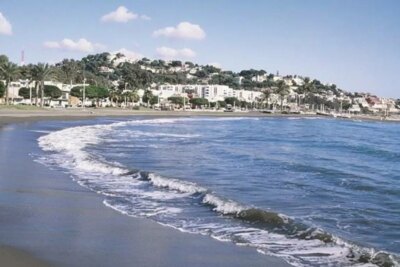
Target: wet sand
(11, 115)
(12, 257)
(49, 220)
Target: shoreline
(8, 116)
(50, 220)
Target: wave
(173, 202)
(174, 184)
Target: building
(212, 93)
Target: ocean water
(313, 191)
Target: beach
(15, 114)
(49, 220)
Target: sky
(354, 44)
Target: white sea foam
(140, 134)
(40, 131)
(175, 184)
(224, 206)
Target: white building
(259, 78)
(14, 86)
(248, 96)
(212, 93)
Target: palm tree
(147, 96)
(27, 73)
(265, 96)
(115, 95)
(307, 88)
(130, 97)
(282, 90)
(41, 72)
(69, 69)
(8, 71)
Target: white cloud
(130, 54)
(5, 25)
(184, 30)
(171, 53)
(81, 45)
(122, 15)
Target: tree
(52, 91)
(248, 84)
(189, 64)
(133, 77)
(40, 73)
(198, 102)
(27, 72)
(69, 69)
(130, 97)
(307, 88)
(96, 92)
(232, 101)
(8, 71)
(265, 96)
(176, 63)
(2, 89)
(221, 104)
(147, 96)
(76, 91)
(115, 96)
(282, 90)
(244, 104)
(92, 92)
(3, 59)
(177, 100)
(26, 93)
(153, 100)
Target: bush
(52, 91)
(199, 101)
(24, 92)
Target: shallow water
(312, 191)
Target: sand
(34, 114)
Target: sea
(312, 191)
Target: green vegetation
(9, 72)
(147, 96)
(26, 92)
(199, 102)
(52, 91)
(221, 104)
(40, 73)
(96, 93)
(2, 89)
(178, 100)
(232, 101)
(153, 100)
(282, 90)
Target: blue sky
(355, 44)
